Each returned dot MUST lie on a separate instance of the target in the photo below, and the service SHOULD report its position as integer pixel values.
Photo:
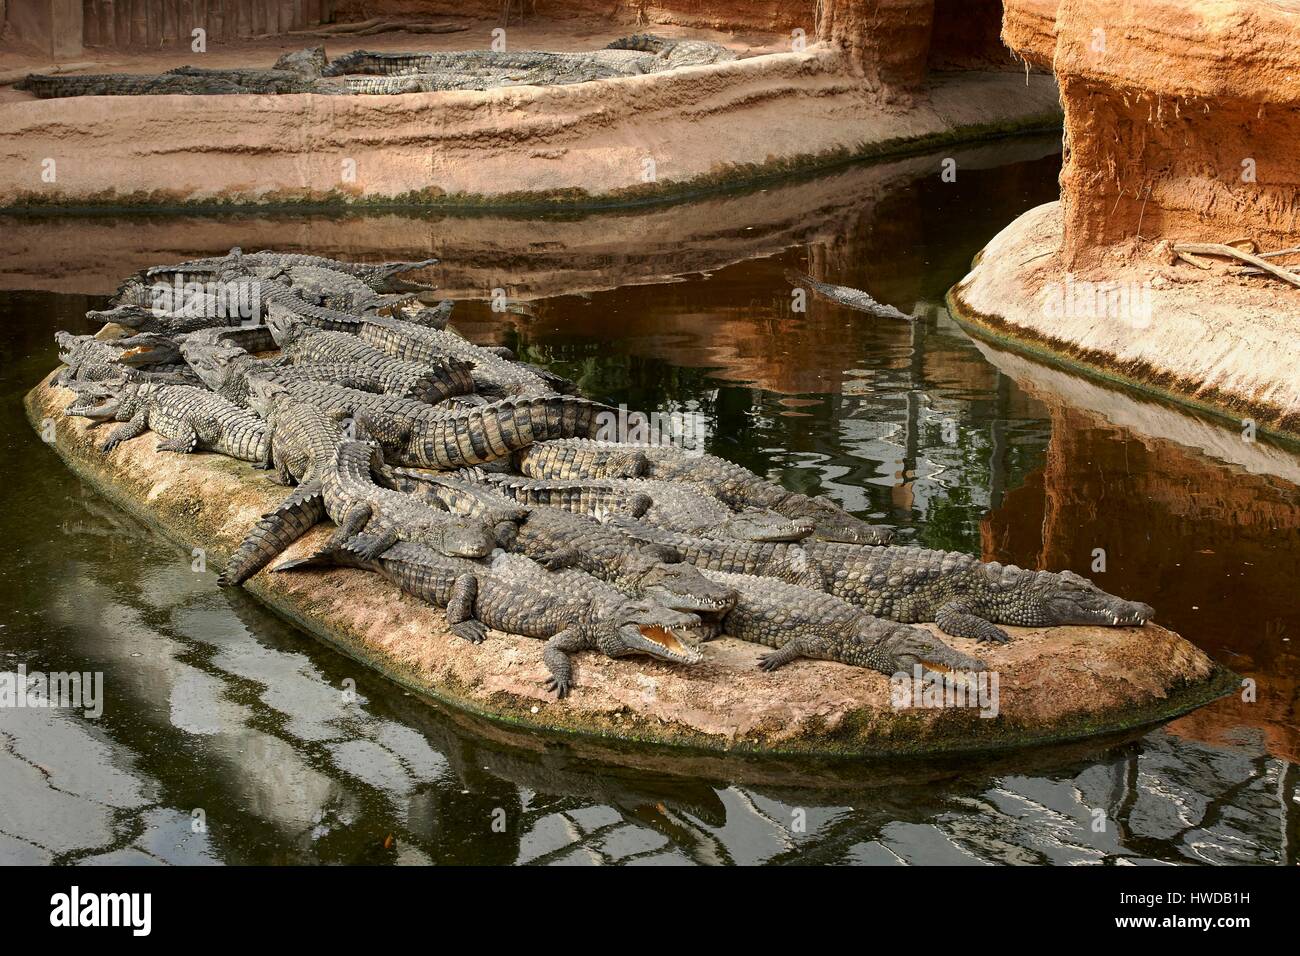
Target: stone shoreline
(1056, 684)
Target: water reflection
(286, 752)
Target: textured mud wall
(967, 34)
(886, 41)
(1181, 117)
(139, 23)
(781, 15)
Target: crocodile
(797, 622)
(672, 506)
(358, 505)
(303, 438)
(557, 539)
(306, 63)
(733, 484)
(144, 319)
(568, 609)
(382, 277)
(421, 345)
(275, 531)
(853, 298)
(571, 459)
(966, 597)
(337, 290)
(538, 66)
(189, 419)
(427, 437)
(57, 86)
(429, 382)
(227, 369)
(431, 81)
(88, 357)
(671, 54)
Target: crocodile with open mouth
(966, 597)
(570, 610)
(91, 359)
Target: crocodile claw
(473, 631)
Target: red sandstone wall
(766, 15)
(1181, 117)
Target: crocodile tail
(336, 554)
(274, 532)
(489, 432)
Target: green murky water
(218, 712)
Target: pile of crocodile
(309, 71)
(486, 486)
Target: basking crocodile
(570, 610)
(275, 531)
(189, 419)
(673, 506)
(430, 381)
(966, 597)
(412, 343)
(427, 437)
(91, 359)
(382, 277)
(134, 84)
(357, 504)
(227, 369)
(540, 67)
(670, 54)
(558, 539)
(337, 290)
(143, 319)
(853, 298)
(304, 441)
(797, 622)
(733, 484)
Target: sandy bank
(1055, 684)
(626, 140)
(1222, 343)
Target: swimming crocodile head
(646, 627)
(678, 586)
(760, 524)
(1047, 599)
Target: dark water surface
(216, 710)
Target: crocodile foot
(473, 631)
